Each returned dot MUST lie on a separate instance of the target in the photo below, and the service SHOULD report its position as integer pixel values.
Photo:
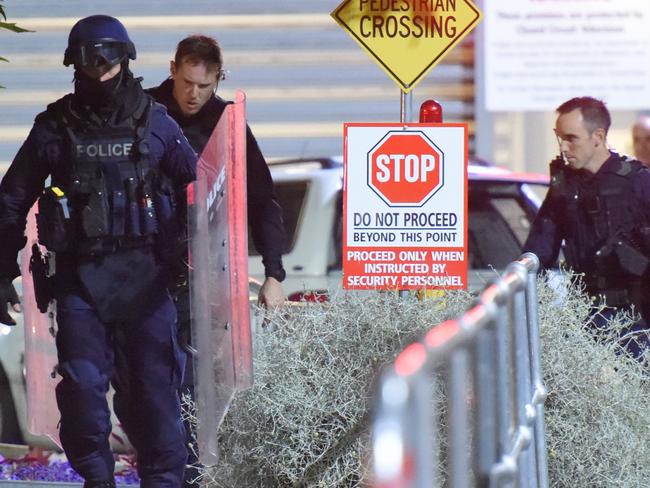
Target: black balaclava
(120, 92)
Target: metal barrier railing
(478, 375)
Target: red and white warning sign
(405, 206)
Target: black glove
(8, 295)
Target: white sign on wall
(540, 53)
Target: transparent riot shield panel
(40, 349)
(219, 276)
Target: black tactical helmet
(96, 40)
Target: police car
(502, 205)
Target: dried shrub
(305, 422)
(597, 423)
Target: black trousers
(143, 360)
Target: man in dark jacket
(190, 97)
(115, 159)
(599, 205)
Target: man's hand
(271, 294)
(9, 296)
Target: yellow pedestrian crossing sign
(407, 37)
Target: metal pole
(505, 394)
(522, 384)
(406, 107)
(485, 386)
(458, 427)
(423, 428)
(405, 116)
(538, 382)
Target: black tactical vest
(607, 235)
(111, 186)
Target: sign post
(405, 188)
(405, 206)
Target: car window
(291, 197)
(499, 221)
(515, 217)
(539, 191)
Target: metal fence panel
(488, 363)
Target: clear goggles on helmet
(96, 53)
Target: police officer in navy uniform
(190, 97)
(116, 160)
(599, 205)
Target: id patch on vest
(103, 150)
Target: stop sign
(405, 168)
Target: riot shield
(218, 248)
(40, 349)
(41, 355)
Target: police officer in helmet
(599, 205)
(116, 160)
